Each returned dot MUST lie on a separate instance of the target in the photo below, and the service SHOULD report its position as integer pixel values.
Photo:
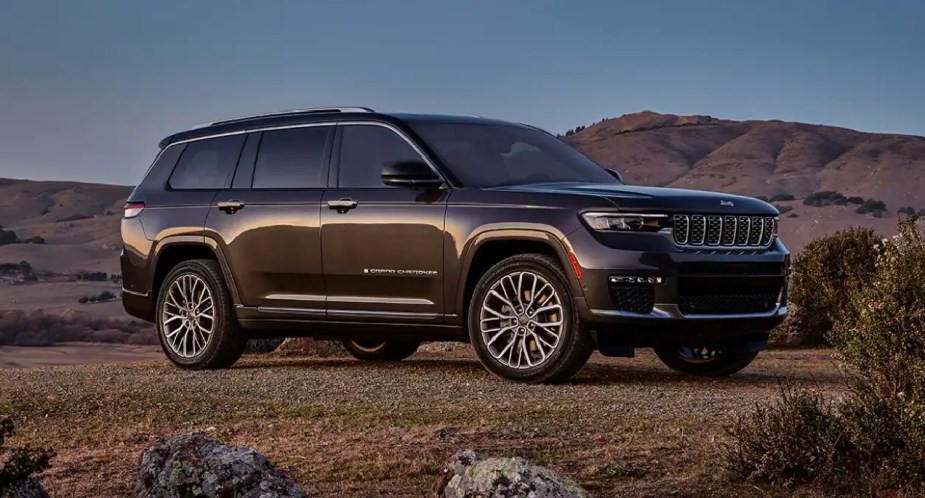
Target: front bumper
(685, 280)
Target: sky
(88, 88)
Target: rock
(30, 488)
(188, 466)
(469, 475)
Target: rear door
(268, 222)
(382, 246)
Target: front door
(382, 246)
(268, 222)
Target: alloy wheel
(521, 320)
(188, 316)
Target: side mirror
(414, 174)
(616, 174)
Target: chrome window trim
(389, 126)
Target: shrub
(105, 296)
(19, 465)
(872, 443)
(855, 200)
(787, 442)
(825, 198)
(782, 197)
(83, 300)
(7, 237)
(825, 272)
(907, 210)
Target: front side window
(492, 155)
(365, 150)
(291, 158)
(207, 164)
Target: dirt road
(625, 427)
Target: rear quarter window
(207, 164)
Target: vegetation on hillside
(873, 441)
(20, 328)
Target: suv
(385, 230)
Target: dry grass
(342, 428)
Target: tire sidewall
(554, 275)
(220, 325)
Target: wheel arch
(489, 248)
(174, 250)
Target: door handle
(230, 207)
(342, 205)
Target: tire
(380, 350)
(541, 357)
(221, 347)
(720, 364)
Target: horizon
(89, 100)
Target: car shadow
(594, 374)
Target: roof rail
(293, 112)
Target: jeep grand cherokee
(385, 230)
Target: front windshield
(491, 155)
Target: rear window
(291, 158)
(207, 164)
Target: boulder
(193, 465)
(469, 475)
(29, 488)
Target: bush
(907, 210)
(872, 443)
(787, 442)
(19, 465)
(855, 200)
(825, 272)
(83, 300)
(782, 197)
(783, 209)
(105, 296)
(7, 237)
(825, 198)
(872, 206)
(35, 240)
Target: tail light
(133, 209)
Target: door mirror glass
(415, 174)
(616, 174)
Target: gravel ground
(623, 427)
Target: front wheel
(704, 361)
(379, 350)
(523, 323)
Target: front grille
(635, 298)
(723, 231)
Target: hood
(655, 199)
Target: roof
(301, 116)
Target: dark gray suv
(385, 230)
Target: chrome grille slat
(725, 231)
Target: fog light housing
(629, 279)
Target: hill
(766, 158)
(78, 221)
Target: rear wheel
(523, 323)
(380, 350)
(195, 317)
(704, 361)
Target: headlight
(625, 222)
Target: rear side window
(291, 158)
(366, 150)
(207, 164)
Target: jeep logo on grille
(727, 203)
